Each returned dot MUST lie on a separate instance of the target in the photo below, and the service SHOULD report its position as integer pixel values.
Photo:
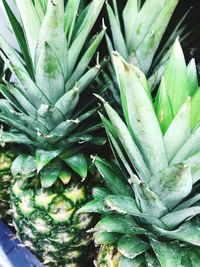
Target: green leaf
(130, 13)
(100, 192)
(195, 114)
(7, 137)
(119, 223)
(39, 9)
(142, 26)
(105, 238)
(132, 246)
(79, 164)
(163, 107)
(188, 149)
(55, 35)
(173, 219)
(23, 165)
(84, 61)
(67, 103)
(112, 176)
(140, 116)
(31, 24)
(18, 30)
(146, 50)
(148, 201)
(84, 30)
(118, 39)
(23, 101)
(168, 253)
(70, 14)
(50, 116)
(192, 76)
(176, 78)
(136, 262)
(94, 206)
(49, 74)
(194, 163)
(172, 184)
(50, 173)
(127, 142)
(181, 126)
(127, 205)
(44, 157)
(187, 232)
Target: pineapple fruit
(6, 158)
(151, 205)
(49, 110)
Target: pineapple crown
(51, 70)
(151, 205)
(141, 30)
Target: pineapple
(151, 205)
(6, 159)
(137, 31)
(45, 115)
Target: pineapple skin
(108, 256)
(6, 159)
(46, 220)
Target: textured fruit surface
(108, 256)
(46, 219)
(6, 159)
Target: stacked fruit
(52, 114)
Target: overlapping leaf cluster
(151, 206)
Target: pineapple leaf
(192, 76)
(23, 165)
(67, 103)
(130, 14)
(136, 262)
(168, 253)
(84, 30)
(50, 173)
(118, 38)
(172, 184)
(94, 206)
(195, 116)
(54, 36)
(173, 219)
(79, 164)
(71, 11)
(146, 50)
(163, 107)
(176, 78)
(190, 147)
(140, 116)
(49, 74)
(18, 30)
(142, 27)
(84, 61)
(187, 232)
(113, 177)
(39, 9)
(128, 143)
(100, 192)
(119, 223)
(132, 246)
(181, 126)
(31, 24)
(106, 238)
(44, 157)
(194, 163)
(148, 201)
(127, 205)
